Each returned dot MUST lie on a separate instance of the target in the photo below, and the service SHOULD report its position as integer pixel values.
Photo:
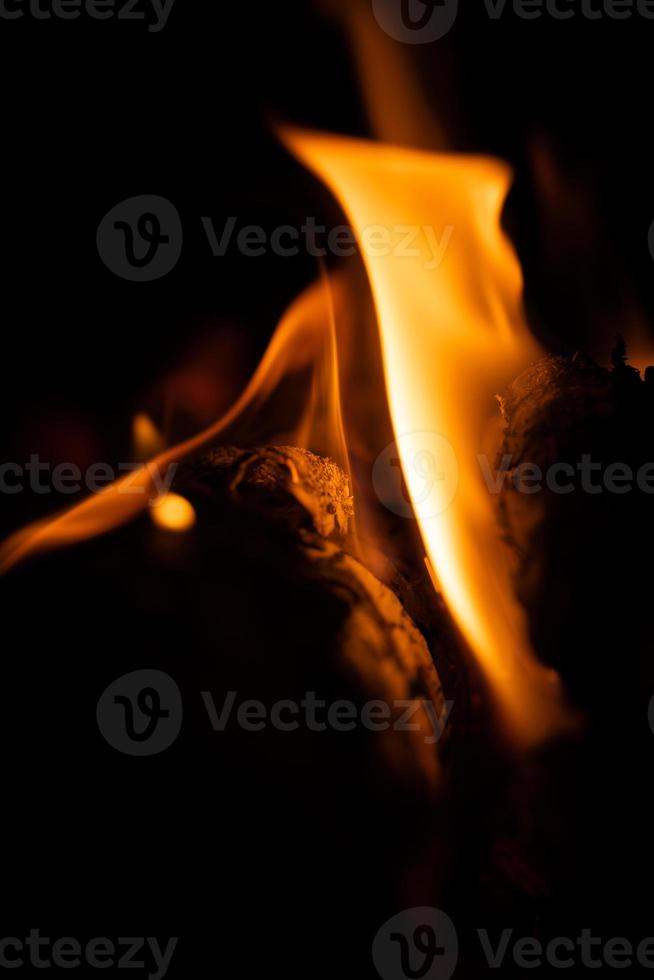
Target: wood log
(290, 510)
(582, 574)
(580, 549)
(323, 832)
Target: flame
(452, 334)
(148, 440)
(392, 92)
(294, 396)
(452, 337)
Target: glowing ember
(173, 513)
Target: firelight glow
(452, 335)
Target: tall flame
(452, 337)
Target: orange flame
(148, 440)
(301, 357)
(453, 335)
(392, 92)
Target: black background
(99, 111)
(96, 112)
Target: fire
(452, 337)
(296, 386)
(446, 287)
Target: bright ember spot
(173, 513)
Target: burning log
(281, 612)
(578, 451)
(329, 822)
(300, 488)
(289, 511)
(333, 818)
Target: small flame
(173, 513)
(392, 92)
(148, 441)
